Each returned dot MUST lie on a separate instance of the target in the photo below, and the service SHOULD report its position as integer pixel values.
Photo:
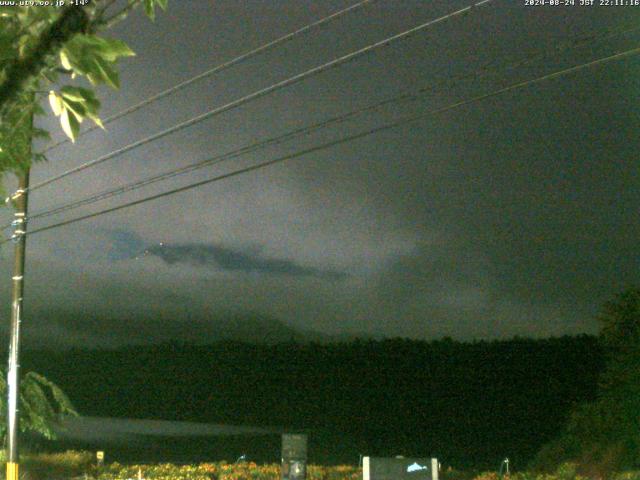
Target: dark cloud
(234, 260)
(124, 244)
(512, 216)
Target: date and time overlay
(527, 3)
(581, 3)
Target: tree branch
(72, 20)
(116, 17)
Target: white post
(434, 468)
(366, 471)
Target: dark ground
(469, 404)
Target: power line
(217, 69)
(260, 93)
(324, 146)
(212, 161)
(571, 43)
(409, 96)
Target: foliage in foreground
(223, 471)
(57, 465)
(42, 404)
(604, 436)
(566, 471)
(78, 464)
(40, 43)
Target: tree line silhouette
(469, 404)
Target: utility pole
(13, 379)
(73, 19)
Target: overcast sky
(517, 215)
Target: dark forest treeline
(470, 404)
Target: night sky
(517, 215)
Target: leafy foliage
(224, 471)
(73, 463)
(42, 404)
(72, 105)
(95, 58)
(18, 129)
(28, 38)
(150, 7)
(604, 435)
(620, 321)
(62, 465)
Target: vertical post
(13, 379)
(435, 468)
(366, 468)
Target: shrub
(57, 465)
(222, 471)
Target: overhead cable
(324, 146)
(217, 69)
(258, 94)
(404, 97)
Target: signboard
(399, 468)
(294, 457)
(100, 457)
(294, 446)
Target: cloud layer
(232, 260)
(512, 216)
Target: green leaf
(6, 45)
(108, 48)
(56, 103)
(64, 60)
(96, 120)
(162, 4)
(106, 73)
(149, 9)
(92, 105)
(77, 108)
(76, 94)
(112, 49)
(70, 125)
(95, 57)
(87, 98)
(94, 79)
(51, 76)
